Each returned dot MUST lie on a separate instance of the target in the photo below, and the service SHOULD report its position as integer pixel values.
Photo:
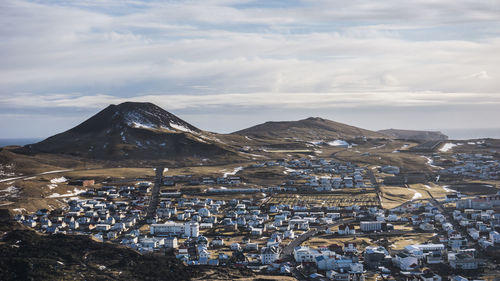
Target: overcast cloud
(226, 64)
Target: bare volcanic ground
(27, 255)
(133, 131)
(312, 128)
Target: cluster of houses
(476, 166)
(336, 262)
(191, 180)
(235, 220)
(105, 212)
(463, 232)
(200, 228)
(349, 262)
(455, 245)
(303, 173)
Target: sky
(224, 65)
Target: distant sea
(22, 141)
(475, 133)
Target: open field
(40, 163)
(385, 155)
(326, 240)
(264, 176)
(475, 187)
(399, 242)
(217, 171)
(338, 199)
(393, 196)
(394, 242)
(436, 190)
(50, 190)
(111, 173)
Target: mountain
(312, 128)
(414, 135)
(133, 131)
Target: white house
(346, 229)
(495, 237)
(303, 254)
(102, 227)
(189, 229)
(368, 226)
(235, 247)
(217, 242)
(474, 233)
(204, 254)
(171, 242)
(350, 248)
(252, 247)
(289, 234)
(269, 254)
(464, 262)
(405, 261)
(204, 212)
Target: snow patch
(180, 127)
(416, 195)
(449, 189)
(76, 191)
(11, 190)
(236, 170)
(338, 143)
(448, 146)
(317, 142)
(430, 162)
(140, 125)
(58, 180)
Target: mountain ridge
(309, 129)
(132, 130)
(414, 134)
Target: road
(153, 201)
(155, 194)
(288, 250)
(463, 231)
(375, 185)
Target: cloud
(258, 100)
(482, 75)
(297, 54)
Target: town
(324, 221)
